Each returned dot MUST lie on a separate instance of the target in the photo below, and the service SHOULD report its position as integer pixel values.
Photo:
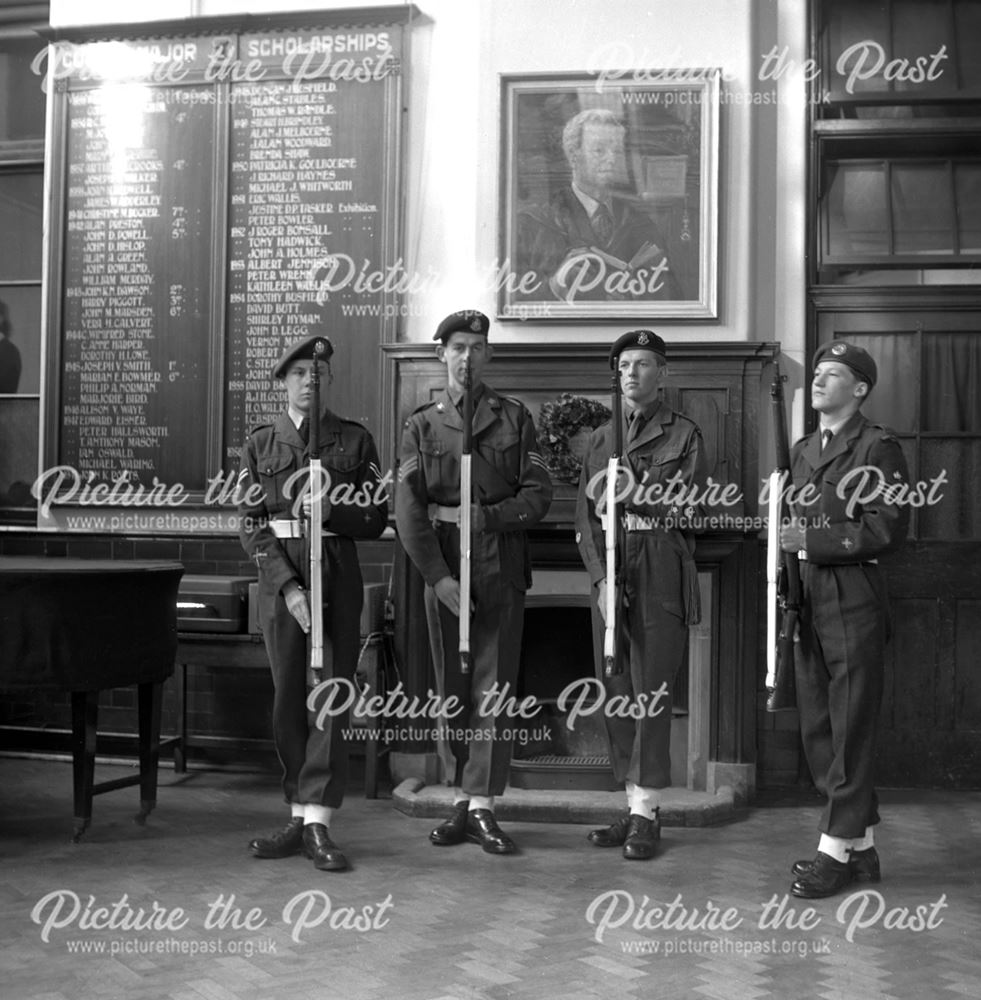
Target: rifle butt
(783, 695)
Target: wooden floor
(177, 910)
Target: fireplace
(557, 654)
(560, 649)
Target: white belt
(802, 555)
(449, 515)
(291, 528)
(636, 522)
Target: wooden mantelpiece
(722, 387)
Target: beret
(467, 320)
(858, 359)
(302, 350)
(638, 340)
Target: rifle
(315, 526)
(614, 535)
(466, 527)
(782, 572)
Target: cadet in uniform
(273, 533)
(512, 492)
(844, 618)
(660, 581)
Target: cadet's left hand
(601, 599)
(448, 591)
(601, 591)
(297, 605)
(324, 506)
(793, 536)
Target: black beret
(638, 340)
(467, 320)
(302, 350)
(858, 359)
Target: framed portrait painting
(610, 196)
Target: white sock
(865, 842)
(458, 796)
(317, 814)
(296, 810)
(836, 847)
(481, 802)
(642, 801)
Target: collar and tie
(826, 436)
(304, 430)
(602, 223)
(635, 424)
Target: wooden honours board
(215, 196)
(136, 295)
(305, 212)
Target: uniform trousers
(473, 748)
(839, 674)
(653, 642)
(314, 758)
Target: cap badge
(475, 325)
(838, 349)
(643, 340)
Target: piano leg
(180, 745)
(150, 701)
(85, 713)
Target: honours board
(137, 299)
(306, 211)
(221, 195)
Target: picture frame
(609, 196)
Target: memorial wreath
(558, 424)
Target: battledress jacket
(511, 482)
(273, 455)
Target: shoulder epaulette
(684, 418)
(424, 406)
(260, 427)
(515, 402)
(353, 423)
(888, 434)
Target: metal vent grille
(563, 761)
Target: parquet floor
(177, 910)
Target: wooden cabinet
(894, 202)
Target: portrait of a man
(589, 242)
(610, 201)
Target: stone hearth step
(679, 806)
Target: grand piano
(86, 625)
